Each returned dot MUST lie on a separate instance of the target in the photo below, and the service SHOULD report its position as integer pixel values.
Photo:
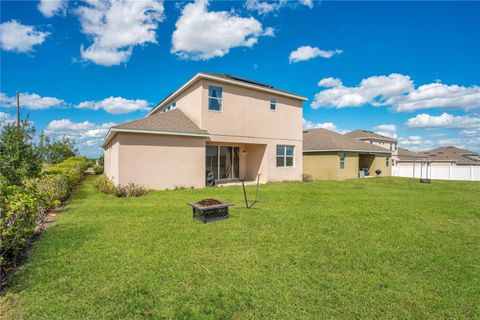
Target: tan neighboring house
(328, 155)
(444, 156)
(378, 140)
(228, 126)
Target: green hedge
(22, 208)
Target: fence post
(471, 172)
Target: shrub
(307, 177)
(98, 169)
(130, 190)
(18, 219)
(51, 190)
(105, 185)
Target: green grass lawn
(371, 248)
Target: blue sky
(409, 70)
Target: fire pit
(208, 210)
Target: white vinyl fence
(471, 173)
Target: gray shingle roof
(325, 140)
(461, 156)
(405, 154)
(174, 121)
(359, 134)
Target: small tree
(18, 157)
(60, 150)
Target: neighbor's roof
(317, 140)
(365, 134)
(226, 78)
(173, 122)
(461, 156)
(408, 154)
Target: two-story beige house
(224, 125)
(378, 140)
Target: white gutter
(169, 133)
(347, 150)
(230, 81)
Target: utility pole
(18, 110)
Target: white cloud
(49, 8)
(116, 105)
(443, 121)
(265, 7)
(416, 143)
(87, 135)
(330, 82)
(18, 37)
(6, 118)
(307, 52)
(31, 101)
(203, 35)
(373, 90)
(388, 130)
(397, 91)
(307, 124)
(438, 95)
(116, 26)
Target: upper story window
(170, 107)
(341, 156)
(273, 104)
(285, 155)
(214, 98)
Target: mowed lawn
(371, 248)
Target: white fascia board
(346, 150)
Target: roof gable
(365, 134)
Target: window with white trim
(285, 155)
(341, 156)
(214, 98)
(386, 160)
(273, 104)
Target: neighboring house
(378, 140)
(328, 155)
(452, 155)
(231, 127)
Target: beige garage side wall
(111, 160)
(161, 161)
(326, 166)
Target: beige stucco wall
(111, 160)
(161, 161)
(326, 165)
(385, 145)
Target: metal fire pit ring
(209, 210)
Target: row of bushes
(24, 207)
(106, 186)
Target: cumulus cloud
(87, 135)
(307, 52)
(443, 121)
(416, 143)
(18, 37)
(6, 118)
(388, 130)
(49, 8)
(201, 34)
(31, 101)
(437, 95)
(398, 92)
(265, 7)
(117, 26)
(307, 124)
(116, 105)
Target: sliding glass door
(223, 161)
